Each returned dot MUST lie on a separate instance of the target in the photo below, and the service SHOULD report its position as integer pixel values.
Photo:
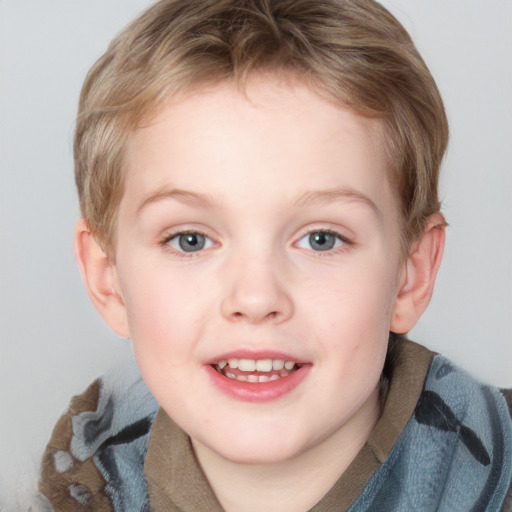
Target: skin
(256, 174)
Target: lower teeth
(256, 378)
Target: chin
(255, 450)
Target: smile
(256, 370)
(257, 380)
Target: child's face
(260, 227)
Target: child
(258, 185)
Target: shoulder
(455, 451)
(94, 459)
(465, 429)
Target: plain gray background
(52, 342)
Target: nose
(256, 292)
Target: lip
(257, 391)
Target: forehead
(276, 135)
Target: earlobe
(100, 278)
(419, 275)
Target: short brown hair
(353, 51)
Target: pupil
(191, 242)
(321, 241)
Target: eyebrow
(183, 196)
(314, 197)
(308, 198)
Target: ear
(100, 278)
(419, 275)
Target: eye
(189, 242)
(321, 241)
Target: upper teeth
(259, 365)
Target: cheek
(163, 307)
(164, 329)
(361, 299)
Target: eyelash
(165, 242)
(346, 243)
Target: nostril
(238, 315)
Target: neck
(292, 485)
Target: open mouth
(256, 370)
